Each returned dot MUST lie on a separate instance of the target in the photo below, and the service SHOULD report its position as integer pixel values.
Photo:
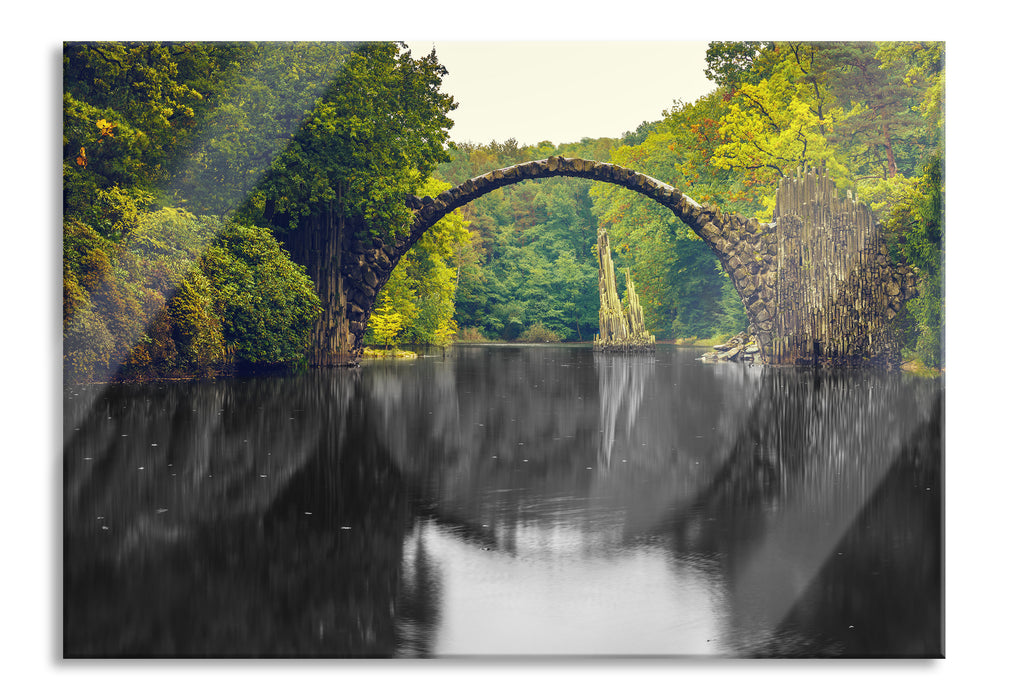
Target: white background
(976, 472)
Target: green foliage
(530, 257)
(267, 91)
(374, 135)
(880, 132)
(263, 133)
(196, 328)
(706, 304)
(422, 287)
(129, 114)
(777, 125)
(924, 63)
(180, 294)
(88, 345)
(679, 283)
(386, 323)
(731, 63)
(141, 81)
(538, 333)
(470, 335)
(917, 234)
(267, 304)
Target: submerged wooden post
(619, 330)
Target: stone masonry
(792, 324)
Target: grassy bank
(395, 353)
(918, 368)
(694, 342)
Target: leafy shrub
(180, 294)
(266, 302)
(915, 226)
(197, 329)
(87, 343)
(538, 333)
(470, 335)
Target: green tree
(196, 327)
(881, 129)
(136, 86)
(529, 259)
(131, 114)
(679, 282)
(386, 323)
(267, 133)
(778, 125)
(180, 294)
(373, 137)
(924, 63)
(423, 285)
(917, 232)
(267, 304)
(258, 103)
(732, 63)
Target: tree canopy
(181, 161)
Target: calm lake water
(507, 500)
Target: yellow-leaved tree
(386, 323)
(778, 125)
(421, 289)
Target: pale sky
(562, 91)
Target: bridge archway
(743, 246)
(817, 284)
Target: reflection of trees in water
(753, 476)
(149, 462)
(202, 555)
(622, 383)
(500, 422)
(757, 477)
(881, 593)
(506, 436)
(419, 611)
(791, 516)
(667, 428)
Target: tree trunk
(319, 244)
(891, 162)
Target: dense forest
(187, 165)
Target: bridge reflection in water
(507, 500)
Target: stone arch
(796, 315)
(745, 247)
(706, 221)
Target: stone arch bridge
(816, 282)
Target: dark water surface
(507, 500)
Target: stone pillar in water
(619, 330)
(636, 317)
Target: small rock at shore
(742, 347)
